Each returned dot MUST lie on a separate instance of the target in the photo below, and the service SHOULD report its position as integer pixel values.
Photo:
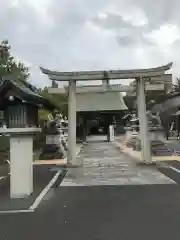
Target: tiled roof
(24, 91)
(108, 101)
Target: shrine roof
(107, 101)
(25, 92)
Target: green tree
(176, 86)
(9, 66)
(59, 100)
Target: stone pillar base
(21, 160)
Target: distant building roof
(23, 91)
(107, 101)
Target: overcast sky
(91, 34)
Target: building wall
(15, 116)
(97, 119)
(21, 115)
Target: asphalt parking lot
(42, 176)
(104, 212)
(101, 212)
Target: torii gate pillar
(141, 104)
(71, 156)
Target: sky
(69, 35)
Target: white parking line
(41, 195)
(1, 178)
(175, 169)
(45, 191)
(16, 211)
(37, 200)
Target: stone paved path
(104, 164)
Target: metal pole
(144, 135)
(71, 157)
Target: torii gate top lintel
(110, 74)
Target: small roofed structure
(100, 109)
(97, 109)
(20, 102)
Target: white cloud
(42, 10)
(83, 34)
(14, 3)
(166, 35)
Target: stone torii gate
(142, 77)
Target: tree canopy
(59, 100)
(9, 66)
(17, 71)
(176, 86)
